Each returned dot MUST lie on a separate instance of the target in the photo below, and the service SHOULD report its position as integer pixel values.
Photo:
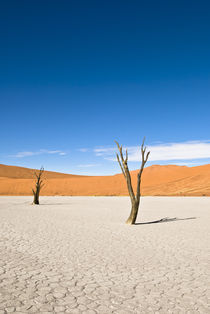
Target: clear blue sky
(76, 75)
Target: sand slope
(157, 180)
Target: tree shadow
(54, 204)
(166, 219)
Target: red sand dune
(156, 180)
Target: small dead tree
(38, 186)
(135, 199)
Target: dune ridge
(167, 180)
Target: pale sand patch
(76, 255)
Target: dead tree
(135, 199)
(38, 186)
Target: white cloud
(104, 151)
(25, 154)
(185, 163)
(83, 150)
(40, 152)
(163, 152)
(88, 165)
(44, 151)
(62, 154)
(177, 151)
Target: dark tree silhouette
(135, 199)
(38, 186)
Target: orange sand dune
(157, 180)
(26, 173)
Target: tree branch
(125, 171)
(143, 162)
(118, 159)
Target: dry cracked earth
(76, 255)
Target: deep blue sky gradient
(80, 74)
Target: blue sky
(77, 75)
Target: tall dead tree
(135, 198)
(38, 186)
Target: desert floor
(76, 255)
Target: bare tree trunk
(135, 199)
(133, 214)
(36, 197)
(39, 185)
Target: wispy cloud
(103, 151)
(62, 153)
(88, 165)
(185, 163)
(40, 152)
(83, 150)
(163, 152)
(24, 154)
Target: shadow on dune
(166, 219)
